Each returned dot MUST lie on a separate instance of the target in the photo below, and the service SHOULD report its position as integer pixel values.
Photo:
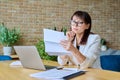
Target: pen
(60, 67)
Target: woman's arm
(91, 52)
(62, 60)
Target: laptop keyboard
(49, 67)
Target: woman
(83, 45)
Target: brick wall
(31, 16)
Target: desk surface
(20, 73)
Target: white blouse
(90, 50)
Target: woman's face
(78, 26)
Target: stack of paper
(54, 74)
(52, 42)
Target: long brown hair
(87, 19)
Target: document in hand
(52, 42)
(65, 73)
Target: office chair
(5, 57)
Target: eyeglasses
(74, 23)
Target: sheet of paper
(56, 74)
(52, 42)
(53, 36)
(16, 63)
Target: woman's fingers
(64, 43)
(70, 35)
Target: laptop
(30, 57)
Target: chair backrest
(110, 62)
(5, 57)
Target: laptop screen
(29, 57)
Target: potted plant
(41, 49)
(103, 45)
(8, 37)
(64, 29)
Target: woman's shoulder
(94, 37)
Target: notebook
(30, 58)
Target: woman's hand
(63, 59)
(70, 35)
(67, 45)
